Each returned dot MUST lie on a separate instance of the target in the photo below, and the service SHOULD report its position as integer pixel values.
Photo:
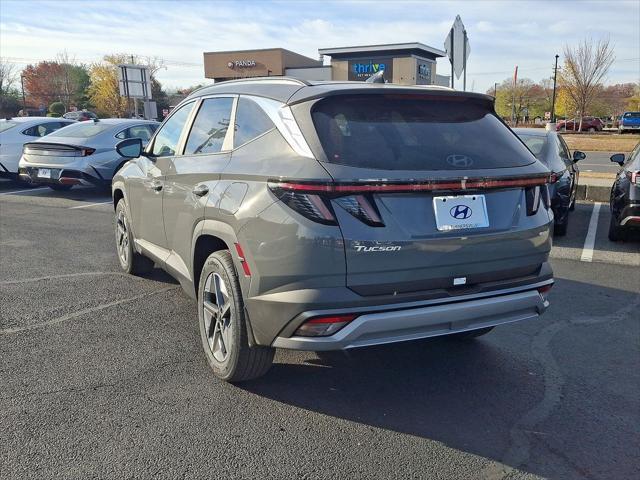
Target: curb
(593, 193)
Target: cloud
(501, 36)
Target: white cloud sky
(502, 34)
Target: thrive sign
(363, 69)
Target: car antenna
(377, 77)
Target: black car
(625, 196)
(551, 149)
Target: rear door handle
(200, 190)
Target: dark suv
(327, 216)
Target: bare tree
(585, 66)
(8, 76)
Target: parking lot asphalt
(102, 374)
(598, 162)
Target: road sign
(457, 46)
(134, 81)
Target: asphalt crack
(80, 313)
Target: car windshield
(83, 130)
(632, 115)
(535, 143)
(6, 125)
(415, 132)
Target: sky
(502, 34)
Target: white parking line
(590, 240)
(23, 191)
(89, 205)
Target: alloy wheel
(216, 307)
(122, 237)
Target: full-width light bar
(400, 187)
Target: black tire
(60, 188)
(471, 334)
(133, 262)
(616, 233)
(560, 229)
(242, 362)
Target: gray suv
(327, 216)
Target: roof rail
(295, 81)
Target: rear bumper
(630, 215)
(429, 321)
(61, 176)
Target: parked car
(80, 115)
(551, 149)
(589, 124)
(15, 132)
(328, 216)
(625, 196)
(629, 122)
(81, 154)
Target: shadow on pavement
(485, 396)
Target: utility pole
(553, 101)
(24, 101)
(495, 89)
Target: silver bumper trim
(412, 324)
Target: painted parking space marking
(24, 191)
(590, 240)
(89, 205)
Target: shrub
(57, 109)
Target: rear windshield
(534, 142)
(6, 125)
(83, 130)
(632, 115)
(411, 132)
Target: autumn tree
(60, 80)
(524, 98)
(104, 90)
(584, 69)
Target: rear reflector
(544, 290)
(323, 326)
(69, 181)
(243, 261)
(423, 186)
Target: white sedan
(15, 132)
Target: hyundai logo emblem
(459, 161)
(460, 212)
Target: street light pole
(553, 101)
(495, 89)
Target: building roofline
(389, 46)
(251, 50)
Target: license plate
(460, 212)
(44, 173)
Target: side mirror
(618, 158)
(130, 148)
(578, 155)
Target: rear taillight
(544, 290)
(323, 326)
(532, 195)
(85, 152)
(309, 205)
(363, 208)
(634, 177)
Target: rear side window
(143, 132)
(414, 132)
(632, 115)
(251, 122)
(210, 126)
(44, 129)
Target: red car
(589, 124)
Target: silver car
(15, 132)
(81, 154)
